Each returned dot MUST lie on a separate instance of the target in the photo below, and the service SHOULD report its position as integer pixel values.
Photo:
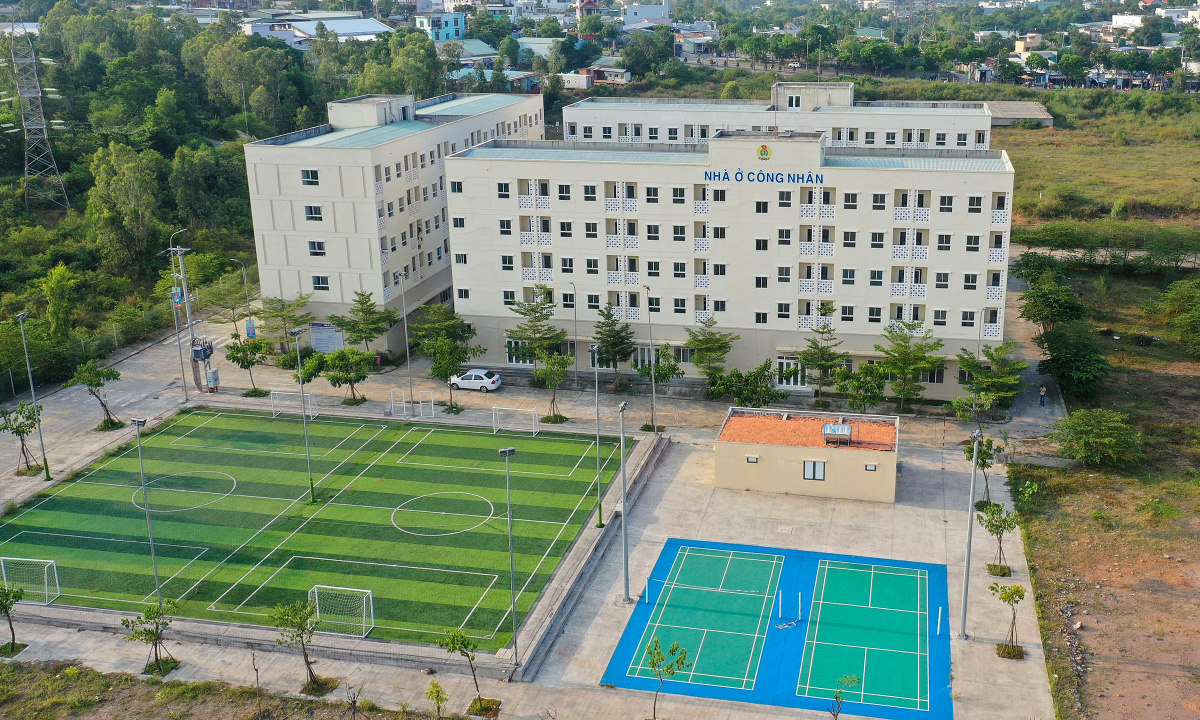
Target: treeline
(1133, 246)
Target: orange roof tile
(804, 431)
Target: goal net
(523, 420)
(292, 403)
(343, 611)
(38, 578)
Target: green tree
(535, 334)
(552, 374)
(1180, 306)
(279, 315)
(227, 295)
(665, 367)
(510, 50)
(20, 422)
(1010, 595)
(1097, 437)
(436, 321)
(1037, 62)
(150, 628)
(988, 450)
(419, 67)
(549, 28)
(124, 208)
(296, 624)
(821, 357)
(755, 388)
(365, 321)
(972, 408)
(248, 354)
(1073, 358)
(457, 642)
(908, 354)
(614, 341)
(9, 597)
(94, 378)
(437, 696)
(1073, 68)
(348, 366)
(590, 25)
(448, 358)
(664, 665)
(864, 387)
(710, 347)
(997, 372)
(1048, 303)
(57, 288)
(844, 683)
(998, 522)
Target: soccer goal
(514, 419)
(292, 403)
(38, 578)
(343, 611)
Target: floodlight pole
(245, 284)
(507, 454)
(596, 369)
(179, 344)
(312, 492)
(653, 369)
(575, 340)
(139, 423)
(407, 350)
(624, 508)
(962, 625)
(37, 412)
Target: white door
(786, 373)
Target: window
(939, 317)
(785, 198)
(877, 240)
(506, 262)
(460, 258)
(850, 201)
(946, 203)
(847, 313)
(826, 197)
(679, 270)
(587, 132)
(962, 140)
(972, 243)
(313, 213)
(677, 196)
(316, 248)
(672, 134)
(874, 314)
(760, 207)
(718, 195)
(934, 376)
(593, 302)
(459, 222)
(506, 227)
(783, 311)
(320, 282)
(564, 192)
(396, 278)
(568, 300)
(590, 230)
(502, 190)
(652, 133)
(654, 304)
(589, 193)
(309, 177)
(941, 281)
(651, 195)
(760, 281)
(889, 138)
(516, 352)
(718, 306)
(876, 279)
(943, 242)
(761, 244)
(975, 204)
(848, 276)
(718, 233)
(785, 236)
(510, 297)
(869, 137)
(968, 318)
(815, 469)
(980, 137)
(652, 232)
(393, 243)
(456, 186)
(685, 354)
(939, 139)
(970, 281)
(652, 268)
(568, 265)
(564, 229)
(606, 133)
(680, 306)
(760, 318)
(849, 238)
(878, 201)
(464, 294)
(718, 269)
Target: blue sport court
(781, 627)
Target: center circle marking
(133, 498)
(490, 515)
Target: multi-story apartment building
(442, 26)
(756, 229)
(360, 203)
(803, 107)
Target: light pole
(140, 423)
(37, 412)
(179, 344)
(246, 284)
(653, 368)
(295, 334)
(407, 351)
(507, 454)
(962, 625)
(624, 508)
(596, 367)
(575, 307)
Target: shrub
(1097, 437)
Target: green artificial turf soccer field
(413, 513)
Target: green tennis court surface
(717, 603)
(413, 513)
(871, 621)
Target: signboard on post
(325, 337)
(251, 330)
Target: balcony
(612, 204)
(995, 292)
(383, 258)
(629, 138)
(631, 242)
(700, 281)
(807, 248)
(632, 278)
(825, 287)
(702, 316)
(997, 255)
(616, 277)
(804, 322)
(999, 217)
(525, 202)
(700, 207)
(806, 285)
(528, 273)
(544, 238)
(899, 252)
(825, 249)
(981, 146)
(701, 245)
(828, 212)
(542, 202)
(629, 205)
(822, 321)
(545, 275)
(917, 290)
(631, 313)
(900, 214)
(921, 215)
(571, 138)
(920, 252)
(991, 330)
(379, 188)
(387, 292)
(528, 238)
(808, 211)
(895, 325)
(411, 175)
(612, 241)
(382, 223)
(899, 289)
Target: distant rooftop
(587, 152)
(468, 105)
(980, 164)
(365, 137)
(688, 104)
(704, 105)
(807, 429)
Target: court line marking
(871, 607)
(176, 443)
(582, 457)
(439, 512)
(749, 661)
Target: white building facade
(755, 229)
(359, 204)
(802, 107)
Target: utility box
(213, 378)
(202, 349)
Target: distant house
(474, 51)
(538, 46)
(985, 35)
(441, 26)
(578, 80)
(300, 33)
(518, 81)
(869, 33)
(638, 13)
(693, 42)
(1025, 43)
(587, 7)
(1127, 22)
(606, 72)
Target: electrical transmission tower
(927, 16)
(42, 181)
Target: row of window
(870, 137)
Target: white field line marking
(414, 447)
(776, 567)
(817, 627)
(487, 590)
(440, 512)
(586, 452)
(263, 416)
(699, 648)
(343, 441)
(189, 432)
(553, 438)
(871, 589)
(476, 468)
(180, 570)
(871, 607)
(728, 562)
(686, 586)
(676, 568)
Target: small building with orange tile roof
(832, 455)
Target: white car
(478, 379)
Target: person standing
(1042, 396)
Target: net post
(800, 606)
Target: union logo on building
(764, 152)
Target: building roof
(681, 104)
(344, 27)
(804, 429)
(984, 164)
(468, 105)
(364, 137)
(581, 152)
(473, 48)
(465, 73)
(538, 46)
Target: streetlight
(624, 508)
(596, 367)
(246, 284)
(407, 351)
(507, 454)
(140, 423)
(295, 334)
(653, 368)
(962, 625)
(575, 307)
(37, 413)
